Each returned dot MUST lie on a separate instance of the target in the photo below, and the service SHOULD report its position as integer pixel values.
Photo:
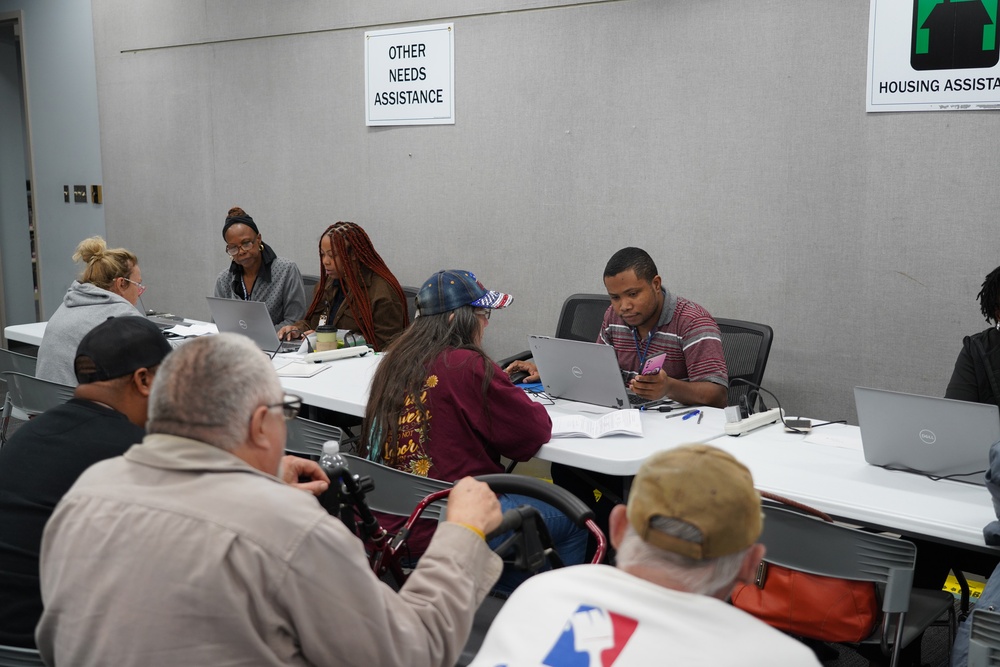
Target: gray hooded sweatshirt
(84, 307)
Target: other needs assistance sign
(410, 76)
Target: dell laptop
(938, 437)
(251, 319)
(580, 371)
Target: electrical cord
(955, 476)
(757, 388)
(540, 395)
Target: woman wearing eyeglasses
(441, 408)
(356, 291)
(256, 273)
(109, 286)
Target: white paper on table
(300, 369)
(185, 331)
(618, 422)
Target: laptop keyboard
(636, 399)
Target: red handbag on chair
(809, 605)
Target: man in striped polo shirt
(645, 320)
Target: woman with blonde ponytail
(109, 286)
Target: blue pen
(691, 414)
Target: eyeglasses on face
(245, 246)
(483, 312)
(290, 406)
(139, 286)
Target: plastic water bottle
(331, 461)
(331, 456)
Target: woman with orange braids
(356, 290)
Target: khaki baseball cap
(703, 487)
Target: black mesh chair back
(746, 346)
(581, 317)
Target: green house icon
(954, 34)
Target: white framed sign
(410, 75)
(933, 55)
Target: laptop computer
(940, 437)
(580, 371)
(251, 319)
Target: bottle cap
(331, 447)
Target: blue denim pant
(569, 540)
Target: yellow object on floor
(975, 587)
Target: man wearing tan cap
(688, 534)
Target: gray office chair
(309, 282)
(31, 395)
(12, 656)
(19, 363)
(306, 437)
(397, 492)
(809, 544)
(984, 639)
(411, 300)
(746, 346)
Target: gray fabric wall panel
(728, 139)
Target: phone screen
(653, 364)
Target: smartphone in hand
(653, 364)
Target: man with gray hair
(688, 533)
(195, 549)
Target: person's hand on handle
(474, 505)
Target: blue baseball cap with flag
(453, 288)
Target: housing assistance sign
(933, 55)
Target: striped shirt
(685, 332)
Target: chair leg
(897, 644)
(963, 585)
(952, 628)
(7, 408)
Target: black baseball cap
(117, 347)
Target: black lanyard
(642, 353)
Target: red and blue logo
(591, 637)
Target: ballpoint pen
(685, 414)
(692, 414)
(700, 415)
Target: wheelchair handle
(564, 501)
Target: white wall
(729, 139)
